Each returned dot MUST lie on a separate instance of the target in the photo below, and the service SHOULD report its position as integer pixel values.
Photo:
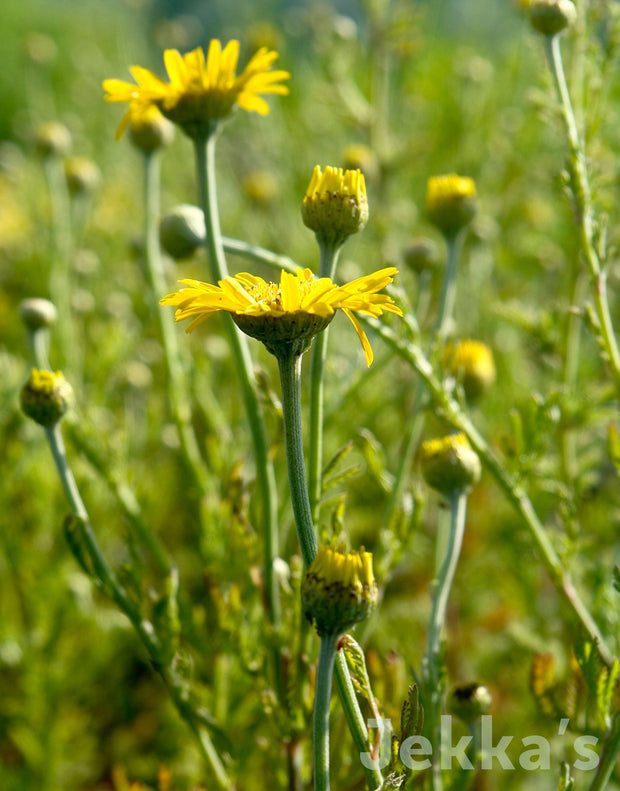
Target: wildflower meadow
(310, 395)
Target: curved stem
(142, 626)
(177, 385)
(322, 697)
(452, 410)
(205, 166)
(580, 187)
(329, 261)
(442, 587)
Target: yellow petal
(362, 336)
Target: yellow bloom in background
(291, 312)
(451, 202)
(472, 362)
(201, 91)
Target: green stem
(205, 166)
(608, 758)
(322, 697)
(142, 626)
(290, 381)
(447, 296)
(254, 252)
(177, 385)
(445, 313)
(580, 187)
(290, 369)
(62, 246)
(329, 261)
(453, 412)
(442, 587)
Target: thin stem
(329, 261)
(112, 586)
(177, 385)
(256, 253)
(205, 166)
(290, 369)
(322, 697)
(447, 296)
(580, 187)
(290, 379)
(608, 758)
(452, 410)
(442, 587)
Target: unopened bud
(53, 139)
(149, 130)
(335, 204)
(550, 17)
(451, 202)
(83, 175)
(46, 397)
(37, 312)
(449, 464)
(471, 362)
(469, 702)
(182, 231)
(339, 590)
(421, 254)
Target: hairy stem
(322, 697)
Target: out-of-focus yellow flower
(451, 202)
(46, 397)
(148, 129)
(471, 362)
(201, 91)
(291, 312)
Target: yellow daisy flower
(287, 314)
(200, 90)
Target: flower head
(471, 362)
(287, 314)
(449, 464)
(201, 90)
(335, 204)
(46, 397)
(450, 202)
(551, 17)
(339, 589)
(148, 129)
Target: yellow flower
(451, 202)
(291, 312)
(339, 589)
(335, 204)
(471, 362)
(201, 91)
(449, 463)
(46, 397)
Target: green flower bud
(148, 129)
(182, 231)
(449, 464)
(335, 204)
(46, 397)
(83, 175)
(451, 202)
(550, 17)
(471, 362)
(37, 313)
(339, 590)
(53, 139)
(468, 702)
(421, 254)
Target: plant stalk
(322, 697)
